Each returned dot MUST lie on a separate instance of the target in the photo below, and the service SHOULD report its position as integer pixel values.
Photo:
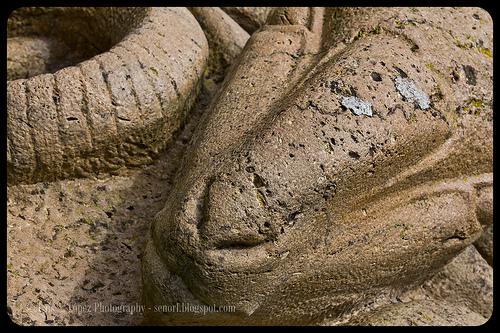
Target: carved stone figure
(344, 161)
(360, 167)
(117, 109)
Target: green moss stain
(404, 23)
(154, 70)
(434, 69)
(377, 30)
(474, 106)
(430, 66)
(209, 85)
(261, 198)
(464, 46)
(412, 118)
(11, 269)
(476, 103)
(486, 52)
(361, 34)
(86, 221)
(469, 44)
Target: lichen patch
(411, 92)
(357, 105)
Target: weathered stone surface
(485, 244)
(425, 312)
(250, 18)
(30, 56)
(291, 204)
(114, 110)
(225, 37)
(342, 168)
(88, 236)
(460, 294)
(467, 281)
(485, 215)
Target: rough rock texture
(117, 109)
(74, 247)
(460, 294)
(30, 56)
(425, 312)
(291, 204)
(485, 244)
(250, 18)
(485, 215)
(467, 280)
(88, 235)
(225, 37)
(335, 176)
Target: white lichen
(357, 105)
(409, 90)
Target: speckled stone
(292, 208)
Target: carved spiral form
(346, 154)
(97, 89)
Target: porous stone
(460, 294)
(341, 174)
(249, 18)
(134, 74)
(288, 204)
(225, 37)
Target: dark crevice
(258, 181)
(354, 154)
(376, 76)
(401, 72)
(237, 245)
(458, 236)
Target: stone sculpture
(361, 166)
(347, 155)
(116, 109)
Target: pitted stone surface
(289, 203)
(335, 177)
(118, 108)
(225, 37)
(249, 18)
